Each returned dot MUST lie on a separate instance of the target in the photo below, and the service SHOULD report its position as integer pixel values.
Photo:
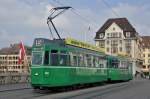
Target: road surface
(135, 89)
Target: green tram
(67, 62)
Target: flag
(21, 53)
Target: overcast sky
(24, 20)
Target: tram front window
(37, 58)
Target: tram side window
(124, 65)
(128, 65)
(84, 60)
(54, 58)
(121, 65)
(97, 62)
(89, 62)
(75, 61)
(46, 58)
(80, 60)
(94, 61)
(115, 63)
(101, 63)
(63, 59)
(71, 58)
(105, 63)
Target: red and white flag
(21, 53)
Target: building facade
(9, 63)
(9, 59)
(146, 53)
(118, 36)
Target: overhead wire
(85, 19)
(112, 10)
(76, 12)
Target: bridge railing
(12, 78)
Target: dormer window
(101, 35)
(113, 28)
(127, 34)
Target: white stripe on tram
(65, 67)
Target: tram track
(98, 92)
(86, 93)
(109, 91)
(24, 93)
(28, 93)
(100, 95)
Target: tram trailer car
(119, 68)
(60, 63)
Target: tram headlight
(46, 73)
(36, 74)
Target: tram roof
(68, 41)
(80, 44)
(77, 44)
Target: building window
(149, 61)
(128, 46)
(114, 28)
(143, 55)
(114, 50)
(107, 49)
(102, 44)
(101, 35)
(144, 66)
(114, 46)
(108, 35)
(120, 35)
(128, 41)
(117, 35)
(120, 41)
(114, 43)
(107, 42)
(120, 49)
(128, 50)
(148, 55)
(111, 34)
(127, 34)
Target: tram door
(54, 57)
